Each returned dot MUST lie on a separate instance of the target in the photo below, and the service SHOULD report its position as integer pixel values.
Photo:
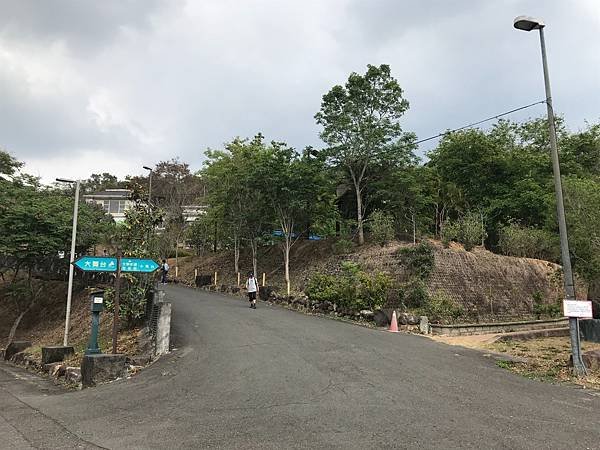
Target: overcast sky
(111, 85)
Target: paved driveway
(273, 378)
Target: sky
(112, 85)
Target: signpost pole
(71, 268)
(116, 306)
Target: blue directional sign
(138, 265)
(96, 264)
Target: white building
(114, 201)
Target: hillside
(44, 324)
(488, 286)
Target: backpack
(166, 267)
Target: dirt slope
(44, 324)
(487, 285)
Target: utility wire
(481, 121)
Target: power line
(481, 121)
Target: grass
(546, 359)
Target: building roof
(111, 193)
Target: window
(122, 206)
(105, 205)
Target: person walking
(252, 287)
(165, 271)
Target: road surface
(273, 378)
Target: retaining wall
(492, 328)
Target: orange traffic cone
(393, 324)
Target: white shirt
(251, 285)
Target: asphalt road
(273, 378)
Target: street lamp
(72, 257)
(149, 184)
(526, 23)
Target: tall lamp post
(149, 184)
(71, 258)
(526, 23)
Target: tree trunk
(286, 259)
(254, 246)
(13, 329)
(17, 268)
(215, 239)
(594, 296)
(359, 214)
(414, 224)
(437, 216)
(236, 253)
(16, 323)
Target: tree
(361, 126)
(36, 224)
(299, 193)
(582, 207)
(8, 164)
(100, 182)
(236, 201)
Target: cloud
(109, 86)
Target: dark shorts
(251, 296)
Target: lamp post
(149, 184)
(71, 258)
(526, 23)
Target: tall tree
(361, 126)
(232, 176)
(299, 192)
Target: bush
(415, 295)
(342, 246)
(468, 230)
(545, 309)
(418, 260)
(381, 226)
(132, 301)
(323, 288)
(441, 308)
(353, 289)
(518, 240)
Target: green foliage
(132, 299)
(36, 223)
(469, 230)
(518, 240)
(8, 164)
(353, 288)
(136, 236)
(342, 246)
(415, 295)
(441, 308)
(582, 207)
(543, 309)
(381, 226)
(419, 260)
(199, 234)
(361, 126)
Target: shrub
(518, 240)
(545, 309)
(381, 226)
(415, 295)
(418, 260)
(132, 300)
(468, 230)
(342, 246)
(354, 288)
(322, 287)
(440, 307)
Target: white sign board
(97, 299)
(577, 308)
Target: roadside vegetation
(478, 188)
(545, 359)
